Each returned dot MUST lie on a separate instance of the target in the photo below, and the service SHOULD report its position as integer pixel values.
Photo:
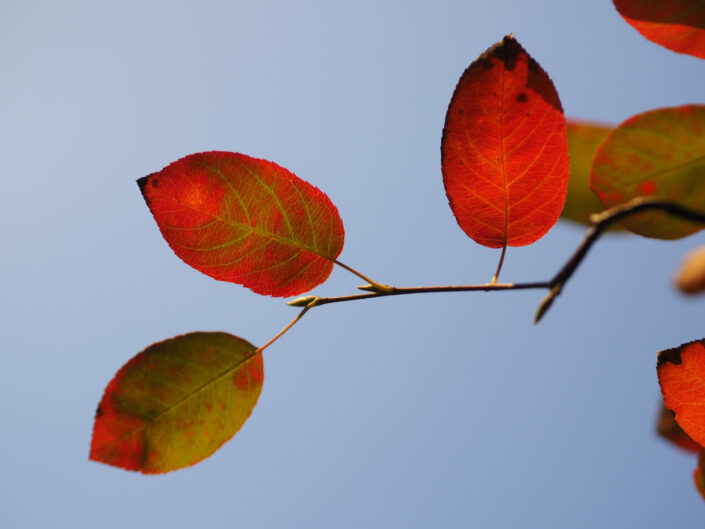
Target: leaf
(247, 221)
(668, 428)
(660, 153)
(583, 140)
(681, 374)
(699, 475)
(504, 149)
(678, 25)
(177, 402)
(690, 278)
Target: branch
(599, 222)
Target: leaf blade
(659, 153)
(175, 403)
(246, 220)
(583, 140)
(681, 375)
(678, 25)
(504, 154)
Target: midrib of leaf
(253, 229)
(505, 187)
(280, 206)
(148, 422)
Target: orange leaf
(247, 221)
(504, 149)
(668, 428)
(678, 25)
(690, 278)
(681, 373)
(661, 154)
(177, 402)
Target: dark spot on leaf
(670, 355)
(521, 98)
(99, 411)
(155, 182)
(461, 111)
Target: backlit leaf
(660, 153)
(681, 373)
(668, 428)
(583, 140)
(177, 402)
(678, 25)
(690, 278)
(247, 221)
(699, 475)
(504, 149)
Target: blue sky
(425, 411)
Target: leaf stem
(499, 266)
(599, 222)
(310, 305)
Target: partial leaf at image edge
(660, 154)
(175, 403)
(584, 138)
(245, 220)
(504, 149)
(690, 277)
(678, 25)
(681, 375)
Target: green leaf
(583, 140)
(660, 153)
(177, 402)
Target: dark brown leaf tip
(507, 51)
(142, 183)
(670, 355)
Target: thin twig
(599, 223)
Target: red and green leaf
(681, 374)
(583, 140)
(177, 402)
(669, 429)
(690, 278)
(246, 221)
(678, 25)
(660, 153)
(504, 149)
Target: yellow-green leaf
(583, 140)
(660, 153)
(177, 402)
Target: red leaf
(177, 402)
(681, 373)
(678, 25)
(504, 149)
(247, 221)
